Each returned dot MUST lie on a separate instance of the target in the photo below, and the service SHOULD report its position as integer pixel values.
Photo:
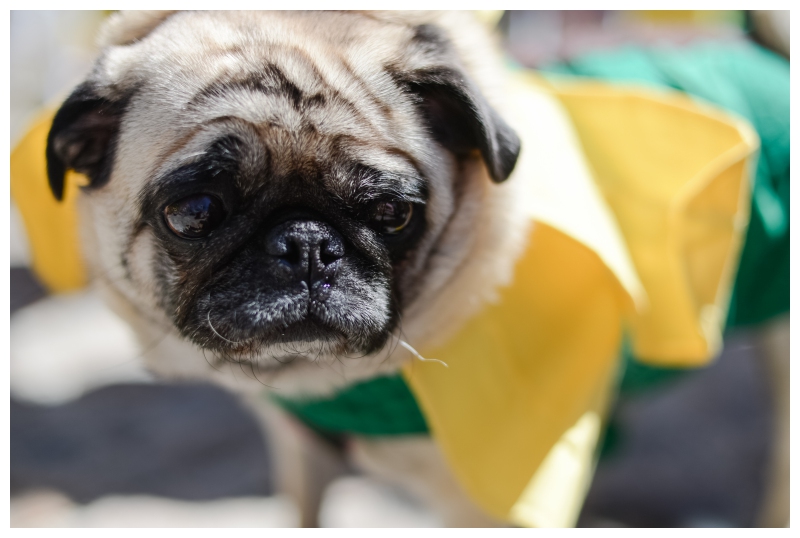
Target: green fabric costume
(741, 78)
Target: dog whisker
(417, 354)
(208, 318)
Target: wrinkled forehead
(291, 59)
(305, 97)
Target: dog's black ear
(82, 138)
(461, 119)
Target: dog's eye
(391, 217)
(195, 216)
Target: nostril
(285, 249)
(330, 251)
(292, 254)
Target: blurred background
(96, 442)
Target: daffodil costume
(637, 232)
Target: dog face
(280, 189)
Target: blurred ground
(692, 453)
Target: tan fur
(473, 236)
(123, 28)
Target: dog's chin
(282, 349)
(305, 340)
(306, 337)
(306, 367)
(305, 334)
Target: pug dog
(297, 200)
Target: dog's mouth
(301, 337)
(279, 344)
(305, 332)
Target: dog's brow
(410, 188)
(190, 158)
(269, 80)
(365, 183)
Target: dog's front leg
(304, 464)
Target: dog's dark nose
(308, 248)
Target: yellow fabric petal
(554, 496)
(676, 176)
(561, 189)
(523, 371)
(51, 226)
